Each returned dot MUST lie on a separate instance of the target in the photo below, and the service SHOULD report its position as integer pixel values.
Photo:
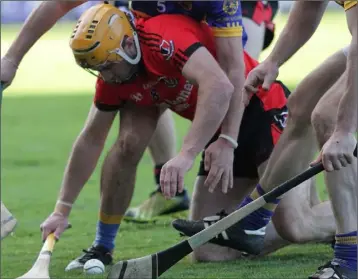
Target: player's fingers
(162, 178)
(180, 182)
(231, 177)
(269, 79)
(250, 89)
(60, 229)
(207, 160)
(335, 162)
(328, 166)
(58, 233)
(45, 233)
(225, 180)
(349, 158)
(210, 177)
(252, 80)
(216, 180)
(167, 178)
(343, 161)
(317, 160)
(173, 183)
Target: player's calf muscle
(324, 115)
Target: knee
(298, 119)
(323, 123)
(213, 253)
(291, 226)
(128, 150)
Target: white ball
(93, 267)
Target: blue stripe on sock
(346, 254)
(256, 220)
(347, 234)
(106, 235)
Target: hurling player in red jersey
(225, 19)
(132, 81)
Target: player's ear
(129, 47)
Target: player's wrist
(343, 132)
(13, 59)
(228, 140)
(274, 61)
(62, 207)
(188, 152)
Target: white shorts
(255, 37)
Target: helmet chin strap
(125, 56)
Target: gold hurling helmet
(99, 36)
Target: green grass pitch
(42, 114)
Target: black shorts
(262, 124)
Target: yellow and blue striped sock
(107, 229)
(345, 250)
(261, 217)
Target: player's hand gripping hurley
(40, 268)
(152, 266)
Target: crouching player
(105, 40)
(225, 21)
(134, 59)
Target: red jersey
(167, 42)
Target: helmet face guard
(99, 36)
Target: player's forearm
(212, 106)
(303, 21)
(42, 19)
(232, 121)
(347, 110)
(82, 162)
(231, 60)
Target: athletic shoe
(157, 205)
(236, 237)
(95, 252)
(333, 270)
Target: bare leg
(137, 126)
(309, 221)
(296, 147)
(163, 144)
(162, 148)
(299, 222)
(300, 218)
(341, 185)
(206, 204)
(314, 197)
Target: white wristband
(64, 203)
(230, 139)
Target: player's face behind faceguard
(104, 40)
